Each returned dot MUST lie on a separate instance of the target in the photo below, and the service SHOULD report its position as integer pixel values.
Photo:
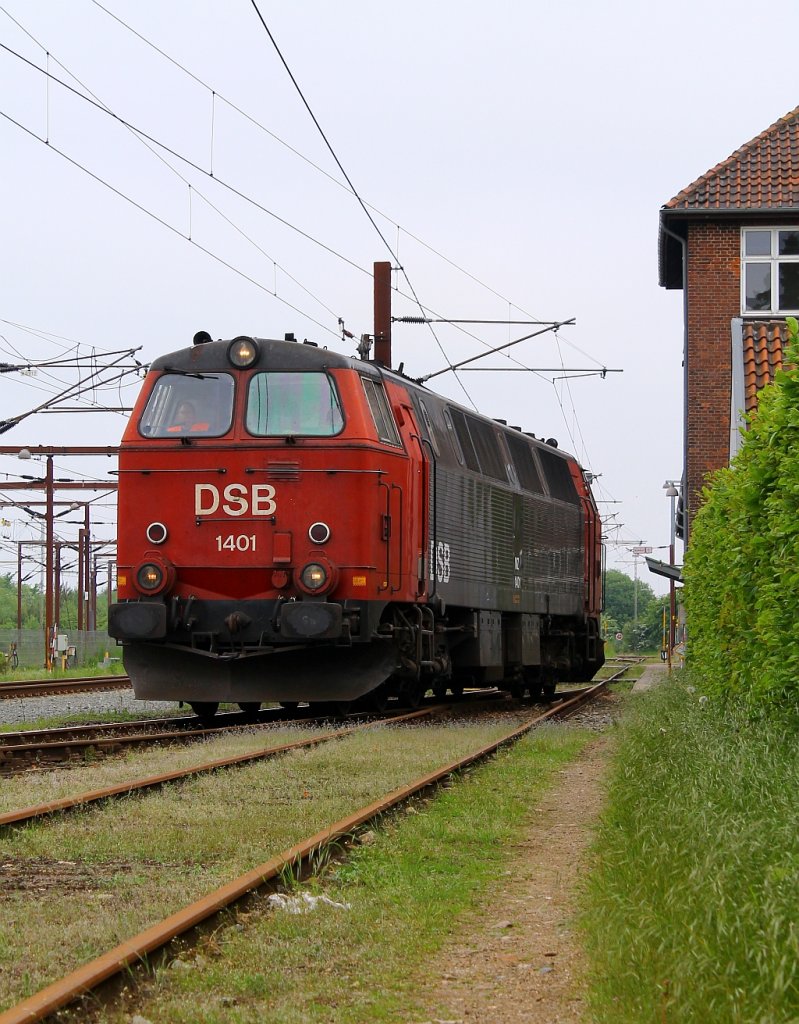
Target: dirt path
(521, 960)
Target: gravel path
(519, 961)
(23, 710)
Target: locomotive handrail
(396, 487)
(192, 469)
(328, 472)
(422, 442)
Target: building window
(770, 270)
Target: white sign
(642, 551)
(620, 636)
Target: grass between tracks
(404, 889)
(691, 911)
(72, 888)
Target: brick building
(730, 241)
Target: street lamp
(672, 493)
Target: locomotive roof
(293, 355)
(273, 354)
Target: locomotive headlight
(154, 575)
(150, 577)
(242, 352)
(314, 576)
(317, 577)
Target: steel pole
(81, 581)
(19, 584)
(672, 608)
(87, 565)
(48, 571)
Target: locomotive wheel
(456, 689)
(412, 695)
(341, 708)
(250, 707)
(204, 710)
(377, 700)
(532, 683)
(549, 684)
(289, 705)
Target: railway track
(136, 949)
(66, 743)
(60, 687)
(19, 751)
(22, 750)
(26, 814)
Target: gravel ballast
(24, 710)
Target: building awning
(671, 572)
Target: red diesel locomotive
(298, 525)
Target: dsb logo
(235, 500)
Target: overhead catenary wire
(147, 143)
(98, 105)
(69, 392)
(164, 223)
(214, 90)
(148, 138)
(416, 238)
(354, 191)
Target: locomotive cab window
(381, 412)
(281, 404)
(559, 478)
(189, 405)
(429, 429)
(524, 463)
(479, 445)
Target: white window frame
(773, 260)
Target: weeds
(691, 909)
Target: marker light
(156, 533)
(319, 533)
(242, 352)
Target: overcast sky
(529, 144)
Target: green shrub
(742, 563)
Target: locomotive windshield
(195, 404)
(280, 404)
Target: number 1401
(235, 542)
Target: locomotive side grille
(282, 471)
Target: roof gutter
(725, 211)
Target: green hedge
(742, 563)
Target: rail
(56, 687)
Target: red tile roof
(763, 174)
(762, 344)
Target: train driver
(186, 422)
